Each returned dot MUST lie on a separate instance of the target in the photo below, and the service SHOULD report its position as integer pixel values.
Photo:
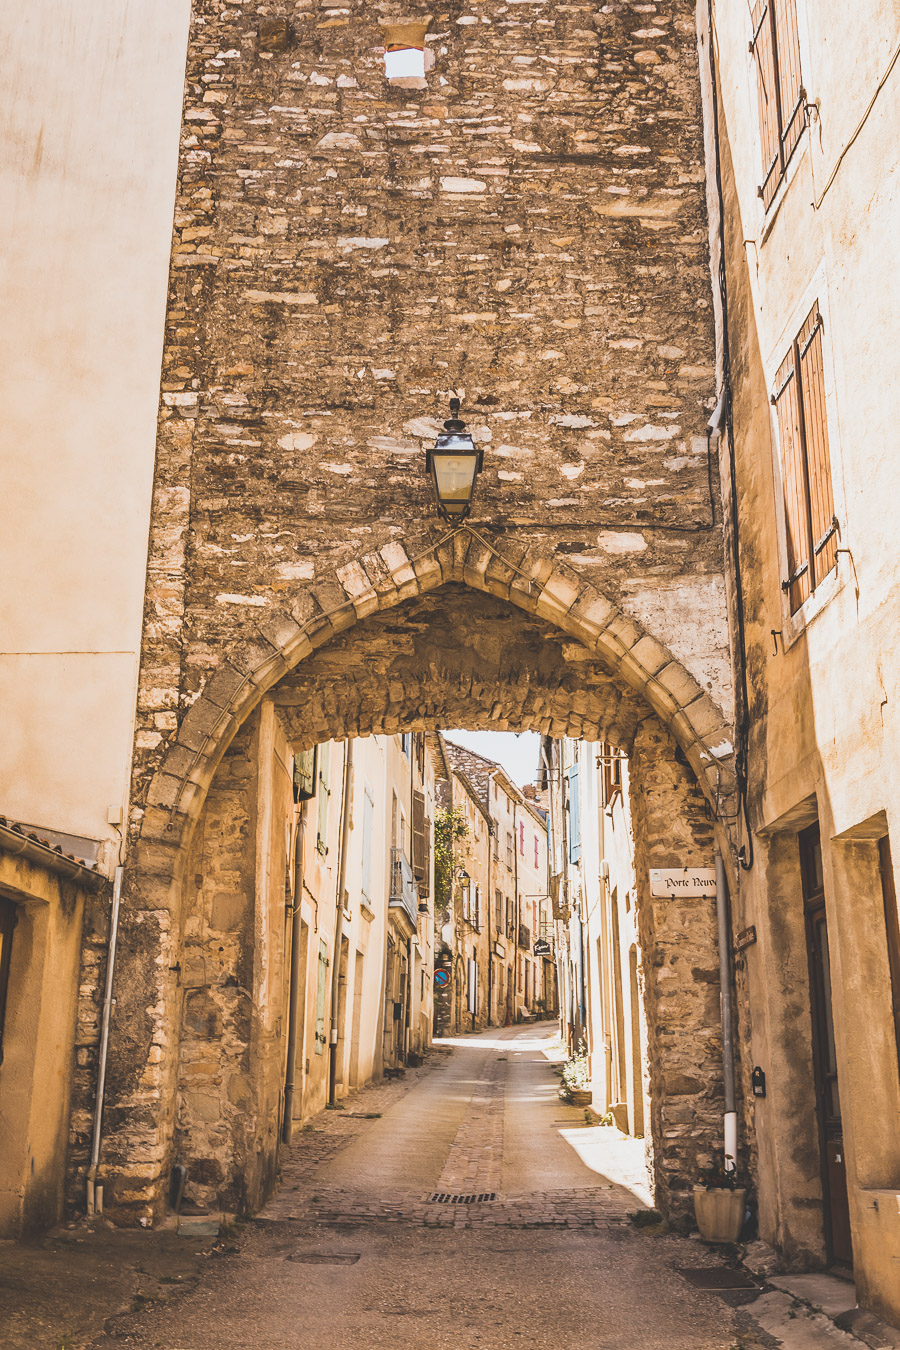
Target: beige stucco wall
(826, 738)
(36, 1073)
(90, 106)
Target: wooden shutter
(425, 879)
(821, 497)
(574, 815)
(418, 859)
(324, 791)
(305, 775)
(796, 491)
(776, 51)
(791, 97)
(763, 48)
(368, 812)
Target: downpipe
(95, 1192)
(724, 926)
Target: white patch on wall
(621, 541)
(689, 616)
(297, 441)
(406, 64)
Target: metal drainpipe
(95, 1193)
(722, 917)
(338, 923)
(287, 1124)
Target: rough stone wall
(529, 230)
(673, 828)
(214, 1110)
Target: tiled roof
(32, 840)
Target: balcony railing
(404, 891)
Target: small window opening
(405, 57)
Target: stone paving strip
(476, 1154)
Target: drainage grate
(476, 1198)
(325, 1258)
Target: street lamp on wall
(454, 463)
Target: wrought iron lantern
(454, 463)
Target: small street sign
(542, 947)
(745, 938)
(682, 881)
(442, 978)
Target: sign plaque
(691, 881)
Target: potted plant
(576, 1081)
(720, 1202)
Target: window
(537, 852)
(782, 98)
(498, 910)
(510, 849)
(611, 763)
(522, 838)
(510, 919)
(406, 744)
(476, 917)
(811, 525)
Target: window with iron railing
(404, 892)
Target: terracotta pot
(719, 1213)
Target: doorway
(828, 1101)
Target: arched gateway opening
(463, 636)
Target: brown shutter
(763, 48)
(793, 473)
(821, 498)
(418, 834)
(790, 88)
(425, 879)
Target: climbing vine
(450, 829)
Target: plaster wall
(824, 693)
(90, 106)
(38, 1044)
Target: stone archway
(386, 652)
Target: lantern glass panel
(454, 477)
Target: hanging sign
(691, 881)
(542, 947)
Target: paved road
(354, 1251)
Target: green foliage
(450, 829)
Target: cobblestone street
(355, 1247)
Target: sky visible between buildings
(517, 752)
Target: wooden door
(828, 1100)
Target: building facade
(808, 106)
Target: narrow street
(356, 1248)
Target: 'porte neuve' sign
(682, 881)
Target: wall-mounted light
(454, 463)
